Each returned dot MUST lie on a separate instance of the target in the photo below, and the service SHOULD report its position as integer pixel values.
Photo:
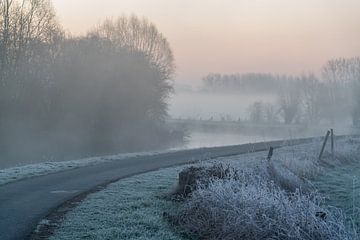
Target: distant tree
(289, 100)
(312, 96)
(249, 82)
(342, 71)
(256, 112)
(212, 81)
(270, 113)
(343, 77)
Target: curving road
(24, 203)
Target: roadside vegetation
(280, 199)
(254, 206)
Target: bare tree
(270, 113)
(312, 96)
(30, 38)
(342, 71)
(138, 34)
(141, 36)
(256, 112)
(289, 100)
(5, 6)
(26, 27)
(343, 77)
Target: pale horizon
(284, 36)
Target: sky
(235, 36)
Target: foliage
(254, 207)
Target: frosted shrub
(255, 207)
(191, 177)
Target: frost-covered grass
(303, 159)
(133, 208)
(9, 175)
(128, 209)
(341, 188)
(337, 177)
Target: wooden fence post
(332, 142)
(271, 150)
(324, 144)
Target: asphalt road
(24, 203)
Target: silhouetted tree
(140, 35)
(27, 27)
(289, 100)
(313, 96)
(343, 77)
(256, 111)
(270, 113)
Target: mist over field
(240, 108)
(115, 87)
(217, 106)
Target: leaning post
(324, 144)
(271, 150)
(332, 142)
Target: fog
(217, 106)
(229, 109)
(113, 89)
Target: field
(133, 208)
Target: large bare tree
(26, 27)
(138, 34)
(141, 36)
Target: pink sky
(227, 36)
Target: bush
(252, 206)
(190, 178)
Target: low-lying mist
(65, 97)
(241, 108)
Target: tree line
(332, 97)
(103, 92)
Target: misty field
(195, 105)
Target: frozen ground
(133, 208)
(128, 209)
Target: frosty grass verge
(133, 208)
